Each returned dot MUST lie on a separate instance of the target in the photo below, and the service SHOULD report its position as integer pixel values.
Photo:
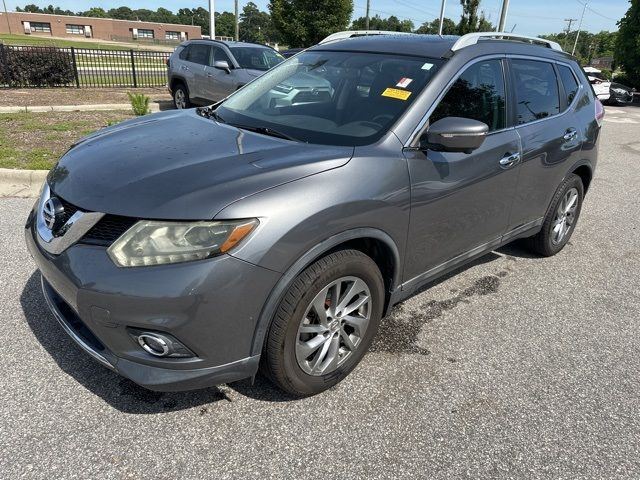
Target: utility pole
(212, 20)
(6, 14)
(237, 22)
(441, 16)
(579, 28)
(503, 15)
(367, 20)
(568, 29)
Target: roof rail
(473, 38)
(359, 33)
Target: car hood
(179, 165)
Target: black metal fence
(31, 66)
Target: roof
(409, 44)
(436, 46)
(229, 43)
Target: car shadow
(117, 391)
(165, 105)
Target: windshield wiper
(266, 131)
(210, 112)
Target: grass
(36, 141)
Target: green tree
(225, 24)
(162, 15)
(303, 23)
(121, 13)
(391, 24)
(469, 19)
(449, 27)
(255, 25)
(31, 8)
(627, 46)
(197, 16)
(94, 12)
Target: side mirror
(454, 134)
(222, 65)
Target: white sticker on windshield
(404, 82)
(427, 66)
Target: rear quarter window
(569, 83)
(536, 87)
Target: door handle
(509, 160)
(209, 75)
(571, 134)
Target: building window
(75, 29)
(40, 27)
(172, 35)
(142, 33)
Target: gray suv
(191, 248)
(203, 71)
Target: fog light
(154, 344)
(160, 344)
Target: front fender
(302, 220)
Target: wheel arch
(179, 80)
(371, 241)
(585, 173)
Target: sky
(528, 17)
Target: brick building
(44, 24)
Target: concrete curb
(21, 183)
(102, 107)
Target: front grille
(69, 210)
(108, 230)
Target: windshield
(332, 98)
(256, 58)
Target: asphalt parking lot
(514, 367)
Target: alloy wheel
(180, 99)
(333, 326)
(565, 216)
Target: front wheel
(325, 323)
(561, 218)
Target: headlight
(158, 243)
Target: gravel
(513, 367)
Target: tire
(284, 359)
(548, 242)
(181, 97)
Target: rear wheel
(325, 323)
(561, 218)
(181, 97)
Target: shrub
(139, 103)
(35, 66)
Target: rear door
(460, 202)
(197, 59)
(546, 97)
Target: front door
(218, 82)
(461, 202)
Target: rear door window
(569, 83)
(478, 94)
(536, 90)
(199, 53)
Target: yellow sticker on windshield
(396, 93)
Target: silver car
(203, 71)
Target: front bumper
(211, 306)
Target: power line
(586, 5)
